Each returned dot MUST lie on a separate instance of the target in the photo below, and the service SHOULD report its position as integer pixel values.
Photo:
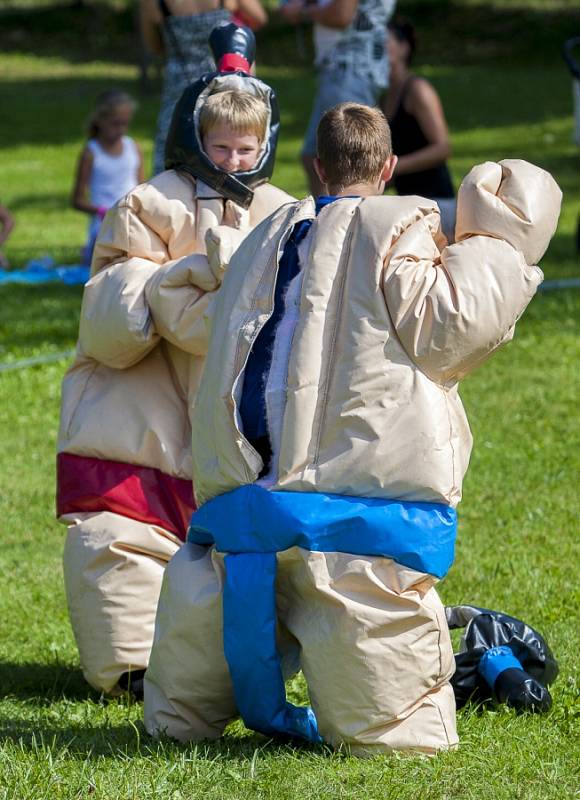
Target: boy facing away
(331, 445)
(124, 462)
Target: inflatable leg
(376, 651)
(113, 567)
(188, 690)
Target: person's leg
(309, 145)
(188, 690)
(333, 87)
(93, 232)
(174, 83)
(375, 651)
(113, 567)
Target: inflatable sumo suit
(327, 540)
(124, 448)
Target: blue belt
(251, 525)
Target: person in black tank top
(418, 128)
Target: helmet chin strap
(226, 184)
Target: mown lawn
(517, 546)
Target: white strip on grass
(48, 358)
(561, 283)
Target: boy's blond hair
(353, 143)
(241, 111)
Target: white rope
(37, 360)
(562, 283)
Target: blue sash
(251, 525)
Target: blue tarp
(45, 270)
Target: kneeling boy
(331, 444)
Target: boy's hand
(236, 217)
(512, 200)
(221, 243)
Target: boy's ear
(319, 169)
(389, 168)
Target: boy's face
(230, 150)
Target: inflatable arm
(453, 308)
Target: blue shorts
(338, 85)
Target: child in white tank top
(110, 165)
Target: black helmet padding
(236, 40)
(232, 45)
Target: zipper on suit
(331, 354)
(240, 364)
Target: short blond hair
(241, 111)
(353, 143)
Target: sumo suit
(124, 448)
(327, 543)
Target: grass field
(517, 547)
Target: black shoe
(133, 682)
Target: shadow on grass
(33, 316)
(46, 682)
(55, 201)
(519, 96)
(42, 684)
(131, 739)
(67, 102)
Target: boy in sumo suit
(124, 450)
(331, 444)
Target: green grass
(517, 546)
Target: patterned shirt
(359, 48)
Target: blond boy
(124, 449)
(330, 451)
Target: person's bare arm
(141, 168)
(424, 103)
(337, 14)
(6, 223)
(81, 186)
(151, 20)
(250, 11)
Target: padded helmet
(234, 48)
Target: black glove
(501, 659)
(510, 683)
